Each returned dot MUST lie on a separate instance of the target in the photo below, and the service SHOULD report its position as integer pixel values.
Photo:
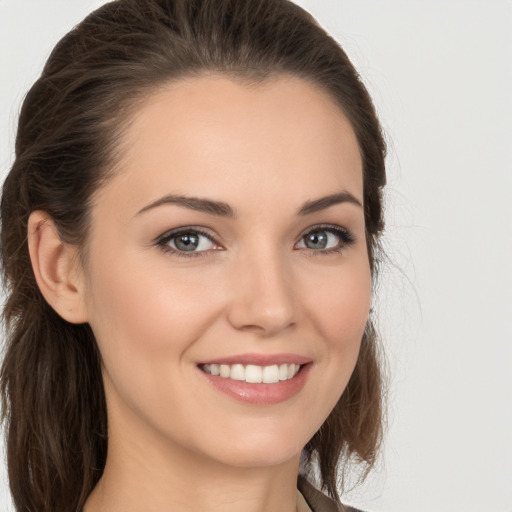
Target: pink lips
(260, 359)
(260, 393)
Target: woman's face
(231, 240)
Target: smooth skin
(256, 282)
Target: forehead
(214, 137)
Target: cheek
(341, 305)
(145, 316)
(145, 323)
(145, 310)
(341, 313)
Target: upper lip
(260, 359)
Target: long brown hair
(69, 127)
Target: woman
(190, 235)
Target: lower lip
(260, 394)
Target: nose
(263, 299)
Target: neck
(162, 477)
(135, 486)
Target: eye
(326, 239)
(186, 242)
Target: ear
(56, 268)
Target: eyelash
(346, 239)
(163, 241)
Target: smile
(258, 379)
(253, 374)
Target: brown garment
(319, 502)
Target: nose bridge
(263, 299)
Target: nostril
(252, 328)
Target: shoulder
(319, 502)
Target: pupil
(187, 242)
(316, 240)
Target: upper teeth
(252, 373)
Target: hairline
(139, 95)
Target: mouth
(258, 379)
(253, 374)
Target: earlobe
(55, 268)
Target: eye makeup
(322, 235)
(194, 241)
(184, 242)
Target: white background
(440, 73)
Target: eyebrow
(193, 203)
(222, 209)
(322, 203)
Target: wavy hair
(68, 136)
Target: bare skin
(274, 271)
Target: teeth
(283, 372)
(252, 373)
(271, 374)
(237, 372)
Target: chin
(259, 447)
(260, 456)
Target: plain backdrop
(440, 72)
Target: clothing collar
(317, 501)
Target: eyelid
(162, 240)
(347, 238)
